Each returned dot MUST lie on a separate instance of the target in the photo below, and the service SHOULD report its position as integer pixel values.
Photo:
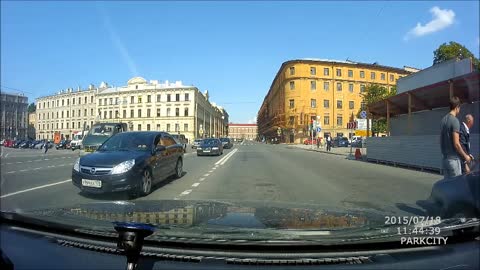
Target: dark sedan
(227, 143)
(62, 144)
(129, 161)
(210, 147)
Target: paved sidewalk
(342, 151)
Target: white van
(76, 142)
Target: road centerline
(35, 188)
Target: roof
(242, 125)
(432, 96)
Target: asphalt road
(250, 172)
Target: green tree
(32, 107)
(453, 50)
(374, 93)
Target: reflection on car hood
(176, 218)
(110, 158)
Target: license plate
(91, 183)
(206, 151)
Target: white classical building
(170, 107)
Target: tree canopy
(372, 94)
(32, 107)
(453, 50)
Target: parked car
(210, 147)
(8, 143)
(226, 143)
(1, 142)
(25, 144)
(62, 144)
(309, 141)
(196, 143)
(18, 143)
(39, 145)
(132, 162)
(340, 142)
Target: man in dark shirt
(465, 139)
(450, 141)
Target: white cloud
(442, 18)
(252, 121)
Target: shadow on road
(122, 196)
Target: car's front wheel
(146, 185)
(179, 168)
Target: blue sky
(233, 49)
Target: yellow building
(324, 90)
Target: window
(158, 112)
(73, 125)
(326, 120)
(185, 112)
(139, 113)
(158, 127)
(392, 78)
(85, 112)
(139, 127)
(351, 105)
(169, 97)
(131, 114)
(372, 75)
(177, 111)
(339, 86)
(148, 112)
(177, 97)
(57, 114)
(339, 120)
(73, 102)
(363, 106)
(382, 76)
(291, 120)
(58, 101)
(177, 127)
(185, 127)
(168, 127)
(73, 113)
(168, 111)
(105, 102)
(326, 86)
(313, 103)
(362, 74)
(79, 126)
(132, 99)
(292, 70)
(79, 113)
(91, 112)
(313, 85)
(326, 71)
(339, 72)
(187, 97)
(339, 104)
(100, 102)
(362, 88)
(124, 113)
(79, 100)
(292, 103)
(139, 99)
(292, 85)
(158, 98)
(63, 102)
(91, 99)
(62, 114)
(148, 127)
(67, 125)
(326, 103)
(105, 115)
(56, 126)
(313, 71)
(350, 87)
(61, 125)
(110, 114)
(350, 73)
(149, 99)
(68, 102)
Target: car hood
(110, 158)
(93, 140)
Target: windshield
(283, 115)
(128, 141)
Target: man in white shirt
(465, 139)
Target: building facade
(32, 124)
(242, 131)
(170, 107)
(323, 90)
(14, 114)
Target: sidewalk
(341, 151)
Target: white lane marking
(34, 188)
(11, 172)
(23, 170)
(214, 168)
(37, 169)
(233, 152)
(226, 156)
(46, 159)
(206, 175)
(6, 155)
(18, 162)
(201, 179)
(29, 161)
(195, 184)
(186, 192)
(210, 171)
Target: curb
(325, 152)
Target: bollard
(358, 154)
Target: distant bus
(98, 134)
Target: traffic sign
(319, 129)
(363, 114)
(352, 125)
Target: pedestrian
(452, 151)
(46, 147)
(329, 143)
(318, 143)
(465, 140)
